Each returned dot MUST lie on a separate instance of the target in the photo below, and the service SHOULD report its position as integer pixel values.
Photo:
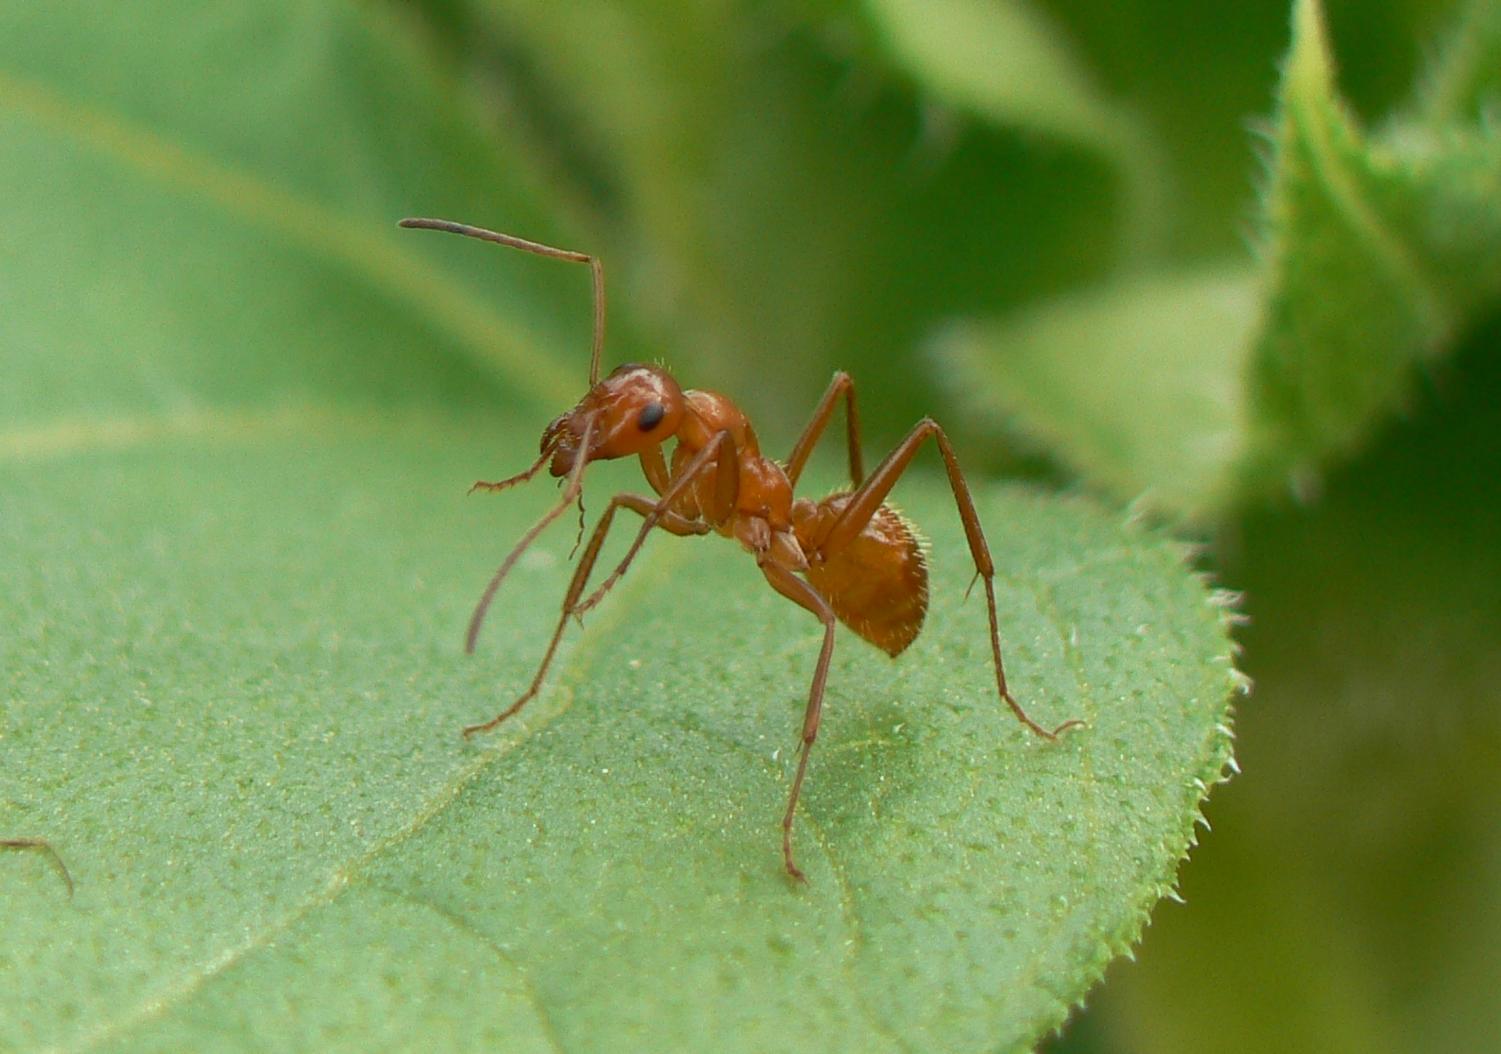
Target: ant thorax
(761, 488)
(710, 413)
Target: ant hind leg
(867, 500)
(840, 385)
(805, 596)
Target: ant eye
(651, 417)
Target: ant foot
(793, 870)
(1036, 729)
(485, 726)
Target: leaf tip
(1309, 61)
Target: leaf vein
(656, 566)
(1364, 221)
(68, 436)
(313, 227)
(459, 922)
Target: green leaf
(774, 190)
(1356, 873)
(239, 416)
(1005, 63)
(1466, 79)
(1168, 434)
(1230, 381)
(114, 174)
(236, 712)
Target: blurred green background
(904, 190)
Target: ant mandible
(848, 557)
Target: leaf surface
(236, 710)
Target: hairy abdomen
(878, 583)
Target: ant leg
(718, 456)
(596, 269)
(520, 477)
(653, 515)
(840, 385)
(867, 500)
(670, 522)
(41, 845)
(801, 593)
(570, 494)
(654, 468)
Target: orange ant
(41, 845)
(847, 557)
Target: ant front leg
(520, 477)
(804, 595)
(668, 521)
(867, 500)
(571, 493)
(840, 385)
(654, 514)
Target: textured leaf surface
(1378, 251)
(235, 562)
(235, 710)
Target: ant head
(634, 408)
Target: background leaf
(1004, 63)
(239, 415)
(1169, 432)
(122, 179)
(1378, 253)
(779, 198)
(1355, 867)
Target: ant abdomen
(877, 583)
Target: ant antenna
(595, 268)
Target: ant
(41, 845)
(848, 557)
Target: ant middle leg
(667, 521)
(867, 500)
(840, 385)
(804, 595)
